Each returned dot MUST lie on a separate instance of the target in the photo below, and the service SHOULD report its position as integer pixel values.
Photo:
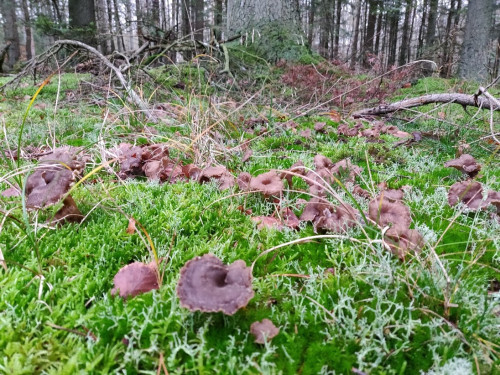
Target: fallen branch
(464, 100)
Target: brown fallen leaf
(135, 278)
(131, 226)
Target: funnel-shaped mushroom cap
(221, 174)
(243, 181)
(384, 212)
(321, 161)
(67, 156)
(468, 192)
(268, 183)
(314, 208)
(208, 285)
(494, 199)
(466, 164)
(264, 331)
(336, 220)
(402, 240)
(131, 162)
(47, 186)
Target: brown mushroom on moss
(220, 174)
(267, 183)
(206, 284)
(264, 331)
(403, 240)
(466, 164)
(135, 278)
(468, 192)
(338, 219)
(384, 212)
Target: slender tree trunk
(11, 35)
(82, 20)
(430, 36)
(406, 31)
(421, 31)
(411, 32)
(393, 33)
(198, 11)
(445, 59)
(354, 53)
(310, 22)
(324, 36)
(120, 45)
(27, 28)
(218, 19)
(378, 33)
(370, 31)
(110, 25)
(337, 29)
(103, 27)
(139, 15)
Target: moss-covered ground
(342, 305)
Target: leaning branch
(464, 100)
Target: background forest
(363, 33)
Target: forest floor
(344, 304)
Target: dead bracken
(208, 285)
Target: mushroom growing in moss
(264, 331)
(468, 192)
(466, 164)
(267, 183)
(206, 284)
(135, 278)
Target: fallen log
(465, 100)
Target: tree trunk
(405, 42)
(354, 53)
(140, 22)
(445, 60)
(337, 29)
(218, 19)
(421, 31)
(474, 55)
(11, 35)
(325, 30)
(393, 33)
(82, 19)
(120, 45)
(370, 31)
(27, 29)
(430, 36)
(310, 22)
(198, 12)
(380, 19)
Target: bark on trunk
(11, 35)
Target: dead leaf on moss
(134, 279)
(131, 226)
(264, 331)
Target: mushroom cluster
(51, 181)
(206, 284)
(387, 209)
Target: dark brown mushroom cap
(243, 181)
(358, 190)
(321, 161)
(263, 331)
(68, 213)
(345, 166)
(297, 168)
(46, 186)
(320, 127)
(267, 222)
(371, 133)
(66, 156)
(466, 164)
(314, 208)
(268, 183)
(494, 199)
(392, 195)
(306, 133)
(403, 240)
(344, 129)
(219, 173)
(130, 158)
(468, 192)
(191, 171)
(154, 152)
(208, 285)
(385, 212)
(135, 278)
(337, 219)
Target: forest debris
(206, 284)
(135, 278)
(264, 331)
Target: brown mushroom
(267, 222)
(466, 164)
(296, 168)
(208, 285)
(345, 166)
(468, 192)
(314, 208)
(494, 199)
(403, 240)
(263, 331)
(267, 183)
(191, 171)
(47, 185)
(392, 195)
(358, 190)
(336, 219)
(320, 127)
(243, 181)
(66, 156)
(130, 158)
(385, 212)
(247, 155)
(135, 278)
(220, 174)
(321, 161)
